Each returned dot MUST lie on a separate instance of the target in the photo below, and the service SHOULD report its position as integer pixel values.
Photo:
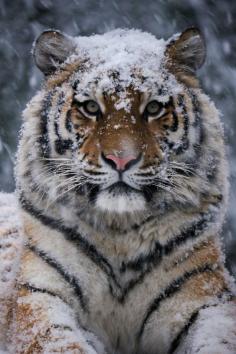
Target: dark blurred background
(23, 20)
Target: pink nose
(120, 163)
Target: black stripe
(198, 124)
(34, 289)
(43, 140)
(175, 124)
(80, 139)
(75, 84)
(212, 168)
(65, 328)
(70, 234)
(192, 232)
(140, 262)
(143, 263)
(144, 174)
(148, 219)
(95, 173)
(60, 102)
(73, 236)
(196, 108)
(61, 145)
(184, 141)
(156, 255)
(121, 297)
(169, 291)
(68, 122)
(93, 191)
(184, 331)
(73, 281)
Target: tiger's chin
(119, 207)
(120, 203)
(119, 198)
(118, 211)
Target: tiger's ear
(185, 53)
(51, 49)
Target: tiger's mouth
(120, 197)
(117, 189)
(121, 187)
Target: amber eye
(91, 107)
(153, 108)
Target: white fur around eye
(87, 115)
(159, 115)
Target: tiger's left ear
(185, 53)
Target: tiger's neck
(136, 249)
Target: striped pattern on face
(163, 147)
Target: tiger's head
(118, 127)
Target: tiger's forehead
(119, 61)
(91, 82)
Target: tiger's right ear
(51, 49)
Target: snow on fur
(213, 333)
(10, 251)
(11, 243)
(120, 54)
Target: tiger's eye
(91, 107)
(153, 107)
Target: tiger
(122, 189)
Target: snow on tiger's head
(121, 59)
(120, 108)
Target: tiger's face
(122, 151)
(118, 125)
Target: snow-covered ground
(10, 251)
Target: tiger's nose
(120, 163)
